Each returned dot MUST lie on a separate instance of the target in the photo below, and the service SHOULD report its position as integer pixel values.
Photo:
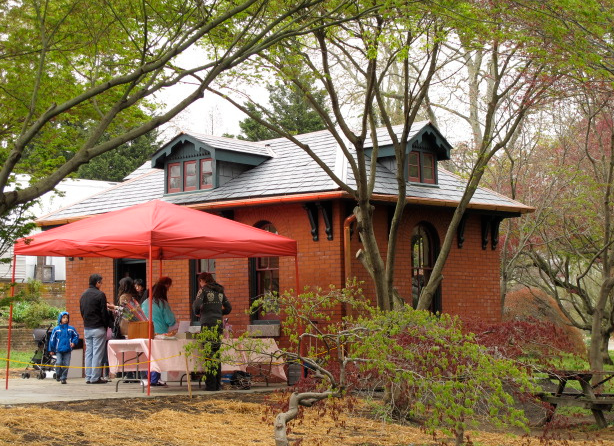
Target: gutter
(518, 209)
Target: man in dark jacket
(210, 305)
(96, 319)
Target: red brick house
(276, 186)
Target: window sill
(262, 330)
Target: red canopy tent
(155, 230)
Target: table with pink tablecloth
(168, 355)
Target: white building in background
(53, 269)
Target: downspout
(347, 254)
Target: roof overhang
(506, 211)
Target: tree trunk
(597, 335)
(296, 399)
(605, 354)
(370, 256)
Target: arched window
(424, 247)
(264, 274)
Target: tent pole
(8, 345)
(149, 326)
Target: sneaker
(159, 384)
(63, 381)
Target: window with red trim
(174, 178)
(428, 168)
(265, 274)
(414, 167)
(421, 167)
(206, 173)
(189, 175)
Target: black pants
(213, 378)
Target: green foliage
(28, 307)
(432, 370)
(437, 373)
(34, 313)
(19, 359)
(201, 350)
(15, 223)
(289, 109)
(119, 163)
(32, 291)
(80, 79)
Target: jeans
(155, 377)
(95, 341)
(62, 359)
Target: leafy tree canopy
(289, 109)
(116, 164)
(78, 79)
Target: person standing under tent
(96, 319)
(142, 291)
(210, 305)
(162, 317)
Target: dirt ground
(241, 419)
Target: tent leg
(8, 345)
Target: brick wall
(21, 339)
(471, 276)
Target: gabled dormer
(193, 162)
(425, 147)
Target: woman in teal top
(163, 317)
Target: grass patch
(21, 356)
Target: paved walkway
(37, 391)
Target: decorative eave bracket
(490, 227)
(326, 209)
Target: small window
(206, 173)
(428, 168)
(414, 167)
(189, 175)
(421, 167)
(265, 274)
(174, 178)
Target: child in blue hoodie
(63, 339)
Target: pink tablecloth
(168, 355)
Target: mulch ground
(242, 419)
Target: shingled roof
(288, 172)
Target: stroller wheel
(41, 375)
(25, 375)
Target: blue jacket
(62, 336)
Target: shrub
(32, 314)
(431, 370)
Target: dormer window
(174, 177)
(206, 173)
(424, 149)
(203, 163)
(421, 167)
(189, 175)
